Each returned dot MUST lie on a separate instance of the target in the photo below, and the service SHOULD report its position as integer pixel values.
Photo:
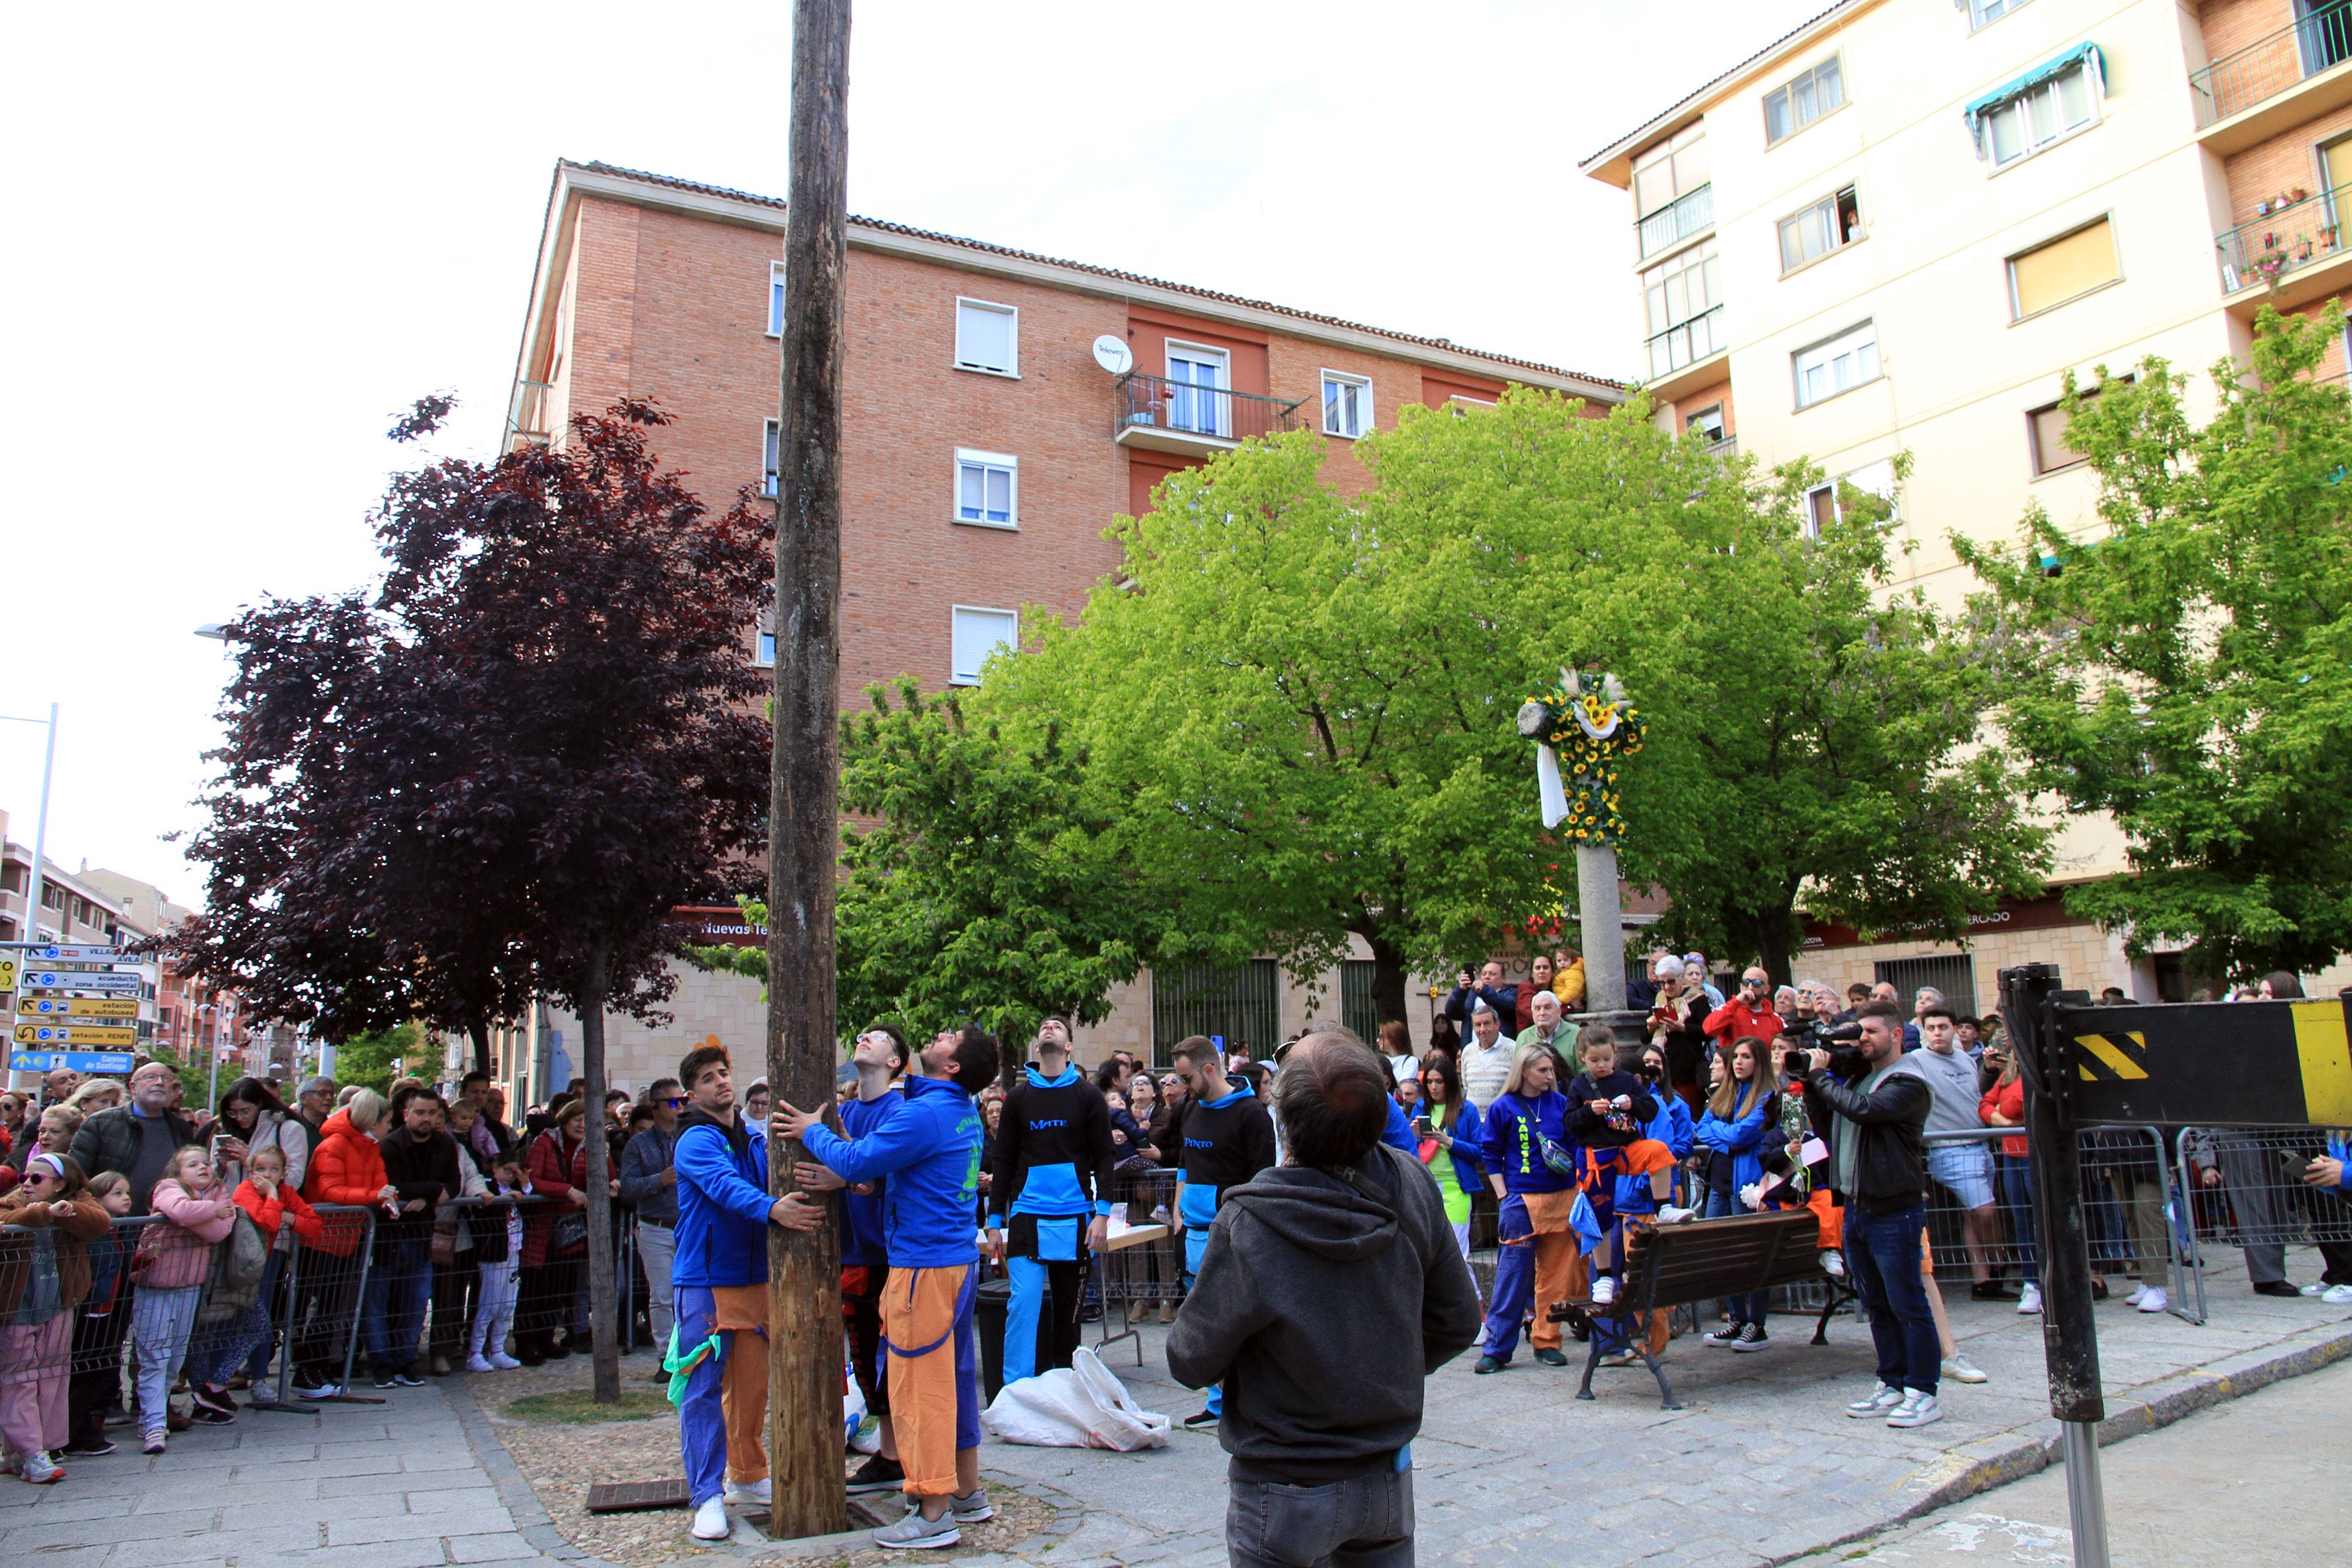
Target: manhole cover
(636, 1497)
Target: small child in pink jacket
(193, 1213)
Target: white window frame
(1812, 211)
(1977, 8)
(763, 641)
(971, 677)
(1362, 386)
(1788, 88)
(1797, 367)
(1808, 524)
(966, 458)
(772, 459)
(2092, 91)
(1180, 394)
(776, 300)
(1012, 314)
(1457, 402)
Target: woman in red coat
(346, 1168)
(554, 1242)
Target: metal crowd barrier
(2244, 1188)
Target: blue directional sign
(108, 1064)
(79, 980)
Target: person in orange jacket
(1748, 1015)
(346, 1169)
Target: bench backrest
(1702, 1259)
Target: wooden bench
(1668, 1265)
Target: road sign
(105, 1064)
(78, 980)
(57, 952)
(7, 973)
(43, 1008)
(2215, 1064)
(58, 1036)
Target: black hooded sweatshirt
(1321, 1305)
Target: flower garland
(1587, 721)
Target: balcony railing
(1691, 213)
(1162, 412)
(1686, 342)
(527, 413)
(2270, 64)
(2284, 239)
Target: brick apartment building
(987, 448)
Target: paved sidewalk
(1509, 1465)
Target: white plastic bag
(1082, 1405)
(853, 1407)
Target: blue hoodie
(1741, 1137)
(722, 1202)
(1398, 1133)
(930, 1151)
(863, 1243)
(1511, 1140)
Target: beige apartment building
(1898, 227)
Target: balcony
(1688, 355)
(2277, 81)
(2289, 256)
(527, 413)
(1686, 218)
(1163, 416)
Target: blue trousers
(2017, 1193)
(702, 1426)
(1883, 1251)
(1748, 1307)
(1196, 1243)
(1052, 1274)
(398, 1286)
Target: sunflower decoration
(1582, 728)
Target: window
(1347, 404)
(1789, 110)
(775, 299)
(979, 633)
(1684, 299)
(2065, 269)
(2045, 435)
(2046, 113)
(1706, 423)
(1820, 509)
(1196, 395)
(1236, 1005)
(986, 490)
(987, 337)
(1672, 197)
(1828, 225)
(1359, 1007)
(764, 649)
(1982, 12)
(771, 459)
(1840, 364)
(1824, 509)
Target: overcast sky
(247, 235)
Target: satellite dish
(1112, 353)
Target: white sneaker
(2315, 1290)
(1670, 1215)
(710, 1520)
(2029, 1300)
(1604, 1292)
(971, 1506)
(501, 1362)
(1918, 1409)
(1833, 1263)
(39, 1469)
(761, 1492)
(477, 1363)
(2338, 1296)
(2155, 1300)
(1879, 1402)
(915, 1530)
(2139, 1291)
(1960, 1369)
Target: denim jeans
(1363, 1522)
(161, 1319)
(2017, 1193)
(1883, 1253)
(1748, 1307)
(397, 1290)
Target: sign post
(71, 1008)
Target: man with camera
(1879, 1164)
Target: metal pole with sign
(73, 1009)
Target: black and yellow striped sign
(2218, 1064)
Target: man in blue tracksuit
(720, 1278)
(1228, 1139)
(1053, 1181)
(929, 1149)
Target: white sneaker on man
(761, 1492)
(2154, 1300)
(710, 1520)
(2029, 1300)
(1833, 1263)
(915, 1530)
(1877, 1401)
(1960, 1369)
(1919, 1409)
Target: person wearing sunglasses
(1747, 1016)
(649, 1185)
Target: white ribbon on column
(1555, 798)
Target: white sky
(247, 235)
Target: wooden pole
(804, 1352)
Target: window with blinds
(2046, 434)
(2065, 269)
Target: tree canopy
(2186, 667)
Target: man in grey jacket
(1322, 1405)
(650, 1184)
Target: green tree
(371, 1060)
(2187, 668)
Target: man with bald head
(58, 1084)
(1324, 1398)
(137, 1138)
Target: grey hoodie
(1321, 1304)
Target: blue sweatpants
(1055, 1270)
(702, 1415)
(1199, 1214)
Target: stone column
(1604, 928)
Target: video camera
(1811, 1034)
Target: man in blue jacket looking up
(1228, 1139)
(929, 1149)
(1052, 1178)
(720, 1274)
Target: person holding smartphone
(1448, 1130)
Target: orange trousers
(743, 1391)
(1560, 1271)
(934, 1374)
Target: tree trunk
(1388, 981)
(804, 1342)
(1773, 949)
(479, 1031)
(602, 1328)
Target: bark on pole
(603, 1295)
(804, 1334)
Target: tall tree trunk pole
(604, 1330)
(804, 1359)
